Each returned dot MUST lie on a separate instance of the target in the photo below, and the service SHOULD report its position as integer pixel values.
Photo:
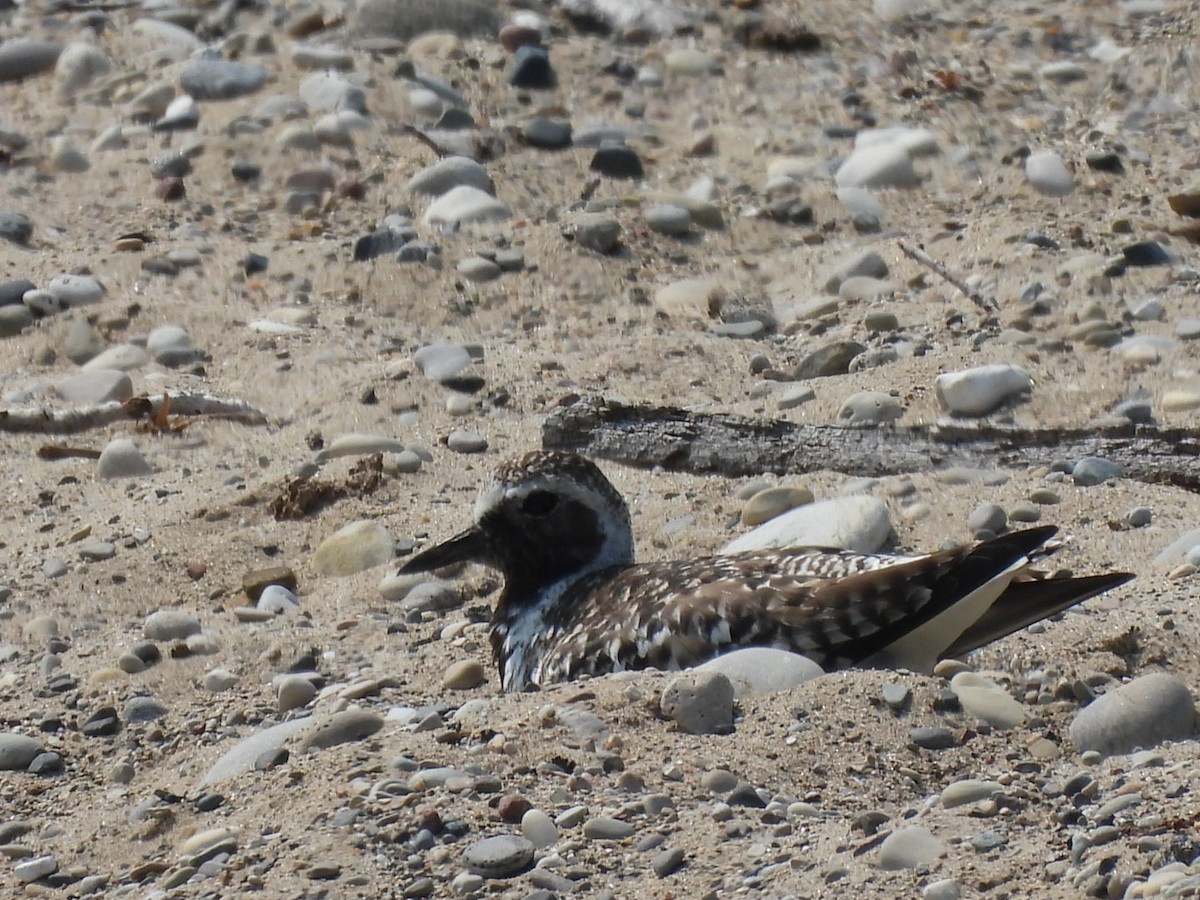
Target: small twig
(67, 421)
(918, 255)
(429, 142)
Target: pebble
(17, 751)
(479, 270)
(207, 78)
(276, 599)
(699, 702)
(449, 173)
(908, 848)
(121, 357)
(667, 861)
(358, 444)
(987, 700)
(979, 391)
(943, 889)
(531, 69)
(499, 856)
(606, 828)
(1140, 714)
(796, 396)
(932, 737)
(668, 219)
(28, 870)
(96, 551)
(969, 790)
(773, 501)
(294, 691)
(242, 756)
(341, 728)
(77, 67)
(547, 133)
(539, 829)
(440, 362)
(1048, 174)
(987, 517)
(94, 386)
(464, 675)
(75, 290)
(596, 231)
(138, 710)
(762, 670)
(868, 408)
(14, 320)
(860, 523)
(884, 165)
(1138, 517)
(616, 161)
(1093, 470)
(354, 548)
(170, 625)
(463, 441)
(466, 205)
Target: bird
(575, 602)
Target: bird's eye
(539, 503)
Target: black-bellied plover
(575, 602)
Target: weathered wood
(682, 441)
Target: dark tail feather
(1026, 602)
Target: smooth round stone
(886, 165)
(17, 751)
(328, 91)
(1180, 400)
(908, 848)
(987, 700)
(22, 57)
(1138, 715)
(333, 130)
(54, 567)
(796, 396)
(864, 264)
(698, 298)
(38, 867)
(357, 444)
(617, 161)
(299, 136)
(75, 290)
(143, 709)
(932, 737)
(499, 857)
(688, 61)
(98, 386)
(466, 205)
(96, 551)
(407, 462)
(430, 596)
(15, 227)
(531, 69)
(464, 675)
(970, 790)
(699, 702)
(78, 66)
(449, 173)
(987, 517)
(1025, 512)
(865, 289)
(860, 523)
(206, 78)
(122, 357)
(310, 57)
(1048, 174)
(546, 133)
(462, 441)
(762, 670)
(539, 829)
(1093, 470)
(1138, 517)
(668, 219)
(1063, 72)
(867, 408)
(167, 340)
(82, 342)
(774, 501)
(170, 625)
(276, 599)
(294, 691)
(341, 728)
(241, 756)
(979, 391)
(597, 231)
(121, 459)
(479, 270)
(719, 781)
(218, 680)
(606, 828)
(354, 548)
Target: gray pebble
(207, 78)
(1025, 512)
(22, 57)
(796, 396)
(28, 870)
(15, 227)
(450, 173)
(143, 709)
(341, 728)
(598, 232)
(1138, 517)
(932, 737)
(987, 517)
(699, 702)
(463, 441)
(54, 567)
(96, 551)
(606, 828)
(762, 670)
(170, 625)
(479, 270)
(499, 857)
(668, 219)
(17, 751)
(1092, 470)
(667, 861)
(866, 408)
(121, 458)
(1143, 713)
(909, 847)
(14, 319)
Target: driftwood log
(704, 443)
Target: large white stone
(465, 205)
(1048, 174)
(858, 523)
(978, 391)
(880, 166)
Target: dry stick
(918, 255)
(67, 421)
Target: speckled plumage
(575, 603)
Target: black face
(538, 539)
(535, 540)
